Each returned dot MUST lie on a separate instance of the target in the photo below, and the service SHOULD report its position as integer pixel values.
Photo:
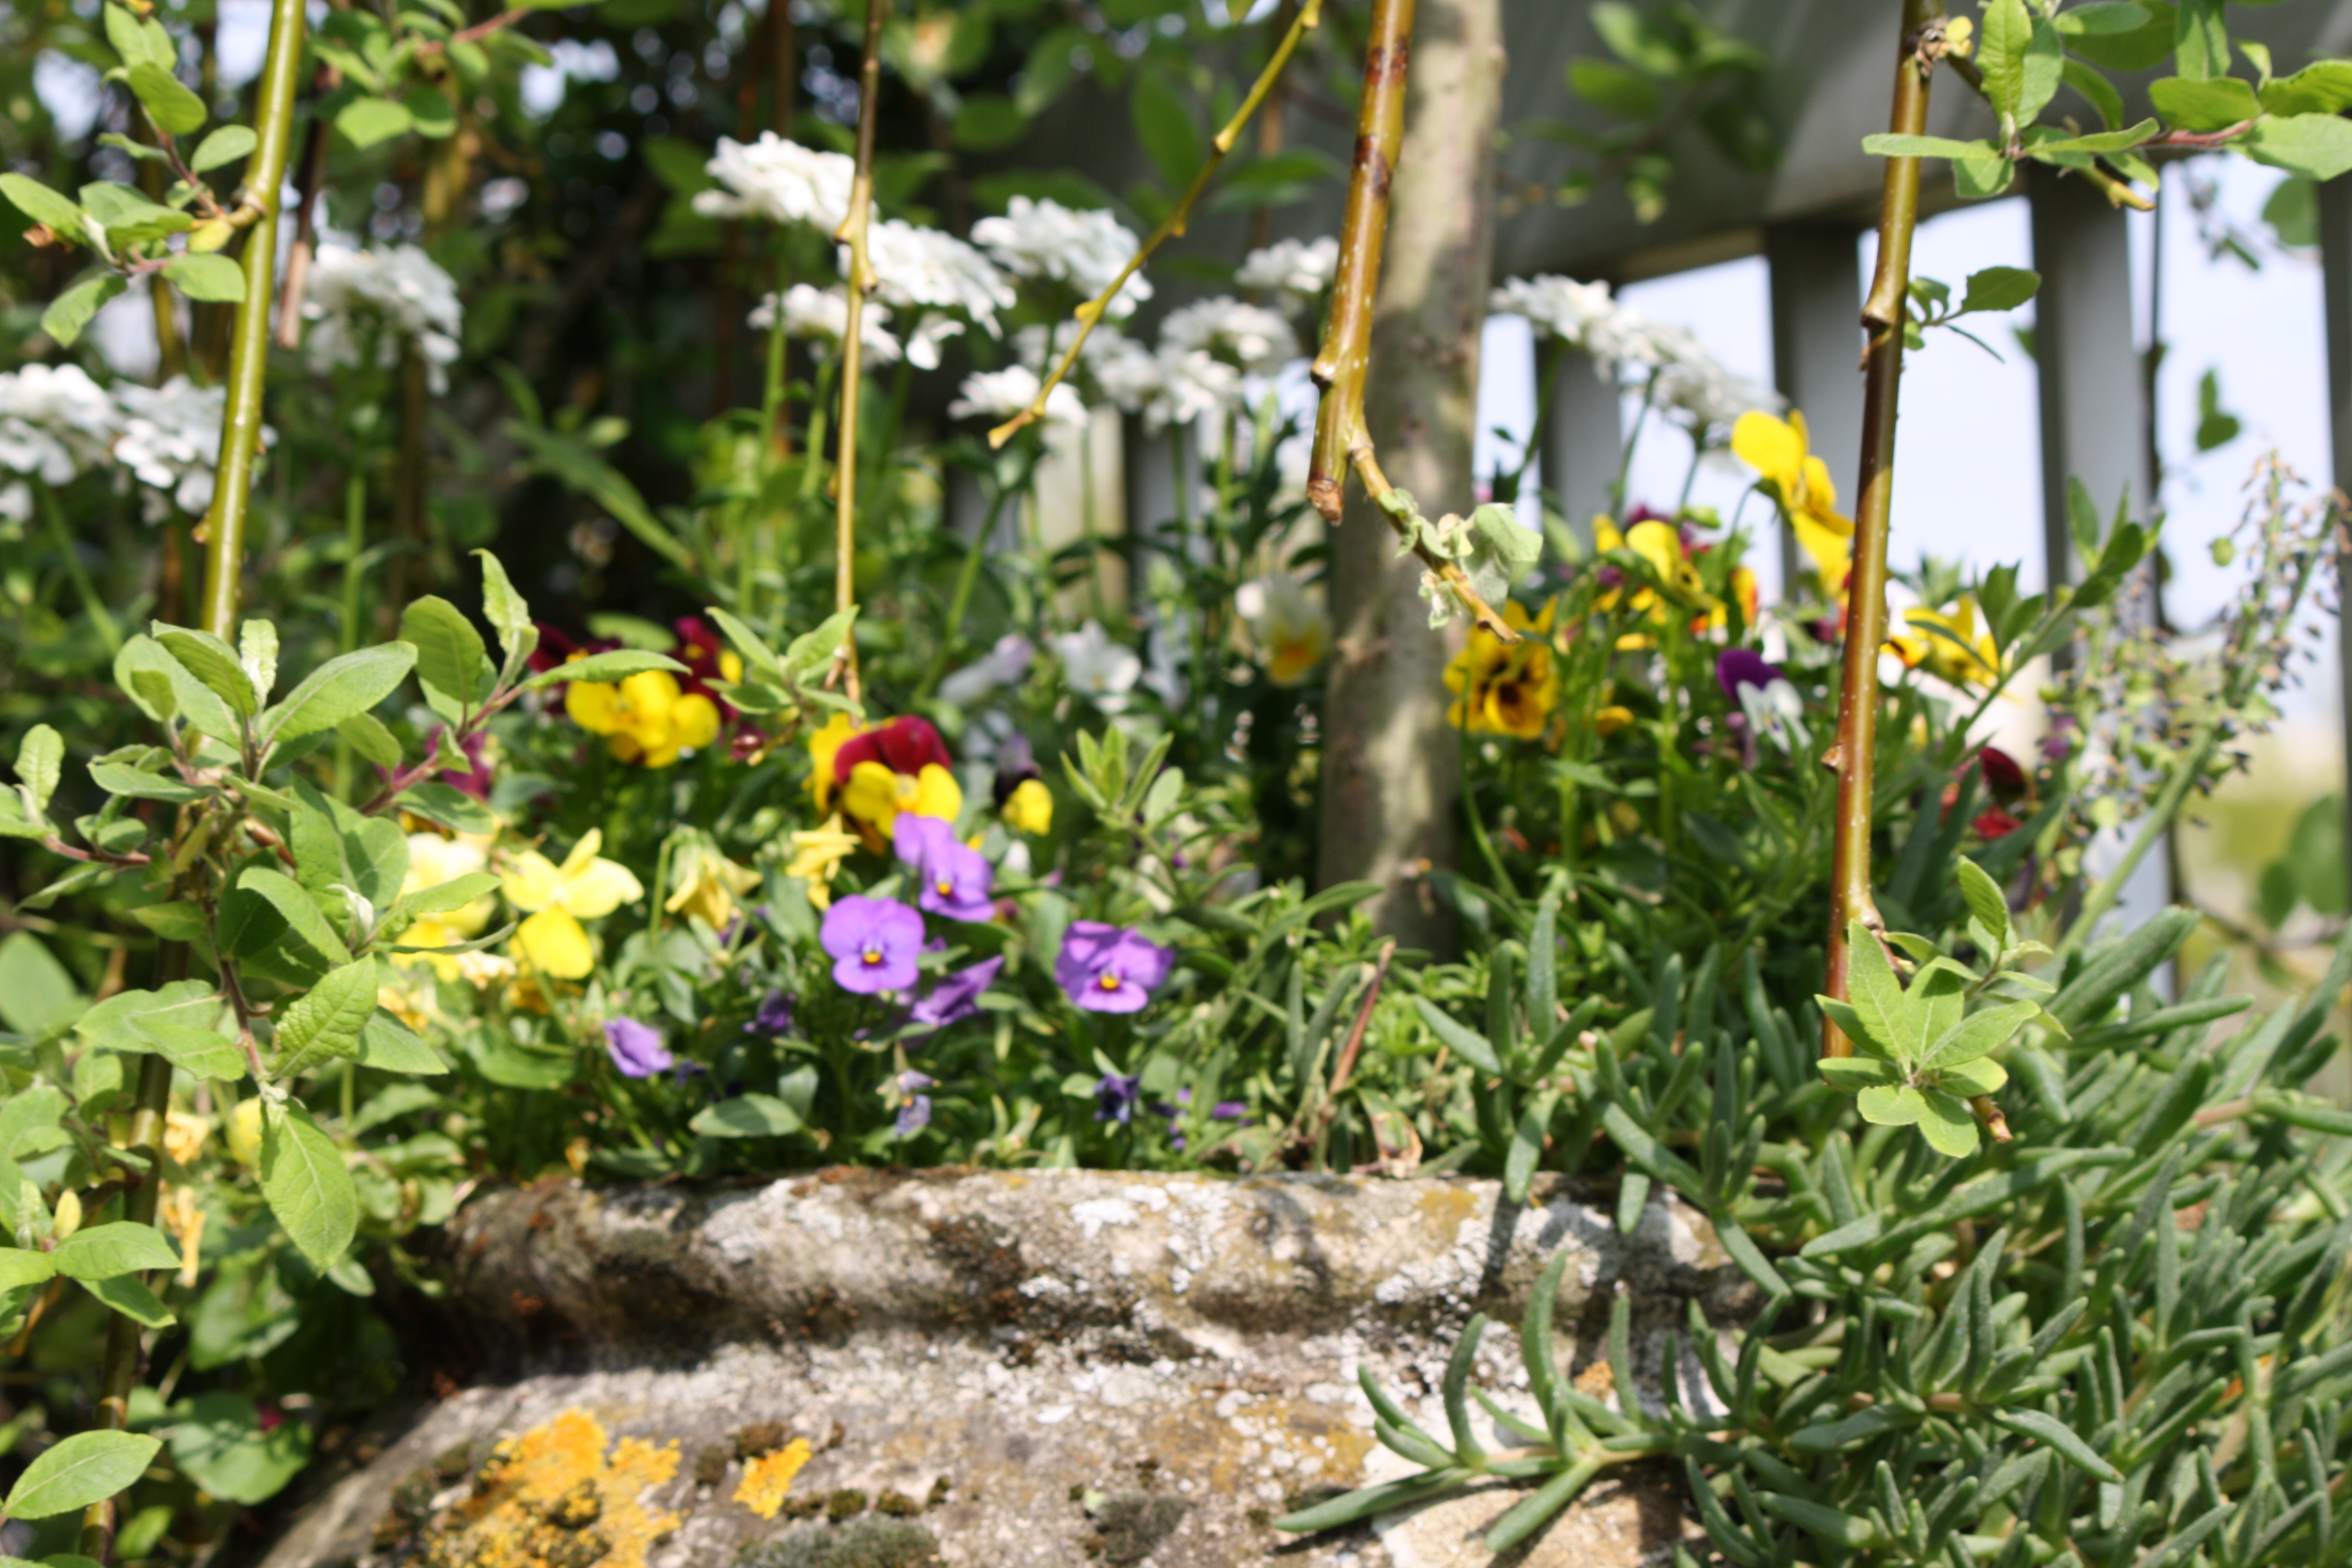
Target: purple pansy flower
(1229, 1111)
(954, 879)
(874, 943)
(1738, 667)
(914, 1107)
(956, 996)
(1115, 1097)
(1110, 969)
(636, 1048)
(774, 1017)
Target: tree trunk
(1391, 764)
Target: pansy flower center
(873, 954)
(1109, 980)
(945, 885)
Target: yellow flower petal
(555, 944)
(593, 706)
(533, 882)
(1773, 447)
(872, 795)
(694, 722)
(821, 745)
(1030, 807)
(600, 888)
(937, 793)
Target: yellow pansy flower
(1611, 718)
(646, 719)
(1506, 688)
(822, 744)
(1290, 631)
(705, 885)
(1030, 807)
(875, 795)
(817, 853)
(558, 897)
(1778, 450)
(1949, 645)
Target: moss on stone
(867, 1543)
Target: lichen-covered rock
(1010, 1369)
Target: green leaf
(1877, 997)
(84, 1468)
(452, 807)
(1948, 1124)
(137, 670)
(2122, 141)
(449, 652)
(2096, 91)
(324, 1023)
(814, 649)
(42, 205)
(748, 1116)
(508, 612)
(1852, 1074)
(352, 683)
(20, 1266)
(2056, 1434)
(1984, 898)
(256, 652)
(371, 740)
(1978, 1075)
(1892, 1105)
(169, 103)
(989, 122)
(70, 311)
(40, 761)
(302, 1176)
(139, 41)
(364, 122)
(131, 1297)
(2006, 34)
(1978, 1033)
(2323, 87)
(1999, 289)
(1617, 89)
(301, 913)
(615, 664)
(198, 1051)
(129, 218)
(2200, 44)
(222, 1447)
(2101, 16)
(1841, 1528)
(1163, 123)
(211, 662)
(37, 996)
(114, 1024)
(121, 778)
(103, 1251)
(226, 145)
(1468, 1044)
(429, 112)
(206, 277)
(454, 894)
(2316, 146)
(1884, 145)
(2213, 104)
(390, 1046)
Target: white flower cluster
(1001, 394)
(823, 314)
(780, 181)
(57, 424)
(390, 297)
(1682, 377)
(1086, 249)
(1298, 269)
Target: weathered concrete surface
(1050, 1368)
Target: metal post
(2335, 285)
(1816, 282)
(1583, 435)
(2093, 396)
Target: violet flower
(1768, 699)
(1229, 1111)
(914, 1108)
(874, 943)
(1115, 1097)
(1110, 969)
(956, 996)
(636, 1048)
(774, 1017)
(954, 879)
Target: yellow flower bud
(244, 1133)
(69, 1214)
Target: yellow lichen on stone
(552, 1499)
(767, 1478)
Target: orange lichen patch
(553, 1498)
(769, 1478)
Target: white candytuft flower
(1173, 386)
(393, 296)
(924, 269)
(1299, 269)
(1256, 339)
(780, 181)
(1560, 306)
(823, 314)
(1097, 667)
(1685, 379)
(54, 422)
(1046, 239)
(1001, 394)
(171, 439)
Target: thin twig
(853, 232)
(1310, 16)
(1354, 1047)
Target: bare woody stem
(223, 527)
(1310, 16)
(1342, 438)
(853, 232)
(1855, 752)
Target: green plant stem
(92, 604)
(1618, 486)
(968, 577)
(1854, 753)
(1310, 16)
(853, 232)
(248, 363)
(354, 546)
